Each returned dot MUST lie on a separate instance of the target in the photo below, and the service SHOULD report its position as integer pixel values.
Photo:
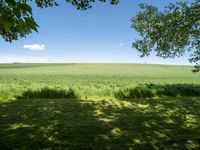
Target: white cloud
(24, 59)
(121, 44)
(35, 47)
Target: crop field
(99, 106)
(89, 80)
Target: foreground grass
(164, 123)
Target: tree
(170, 33)
(16, 18)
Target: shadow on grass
(75, 124)
(153, 90)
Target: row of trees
(170, 33)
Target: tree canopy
(169, 33)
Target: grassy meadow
(89, 80)
(99, 106)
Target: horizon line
(95, 63)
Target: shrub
(153, 90)
(48, 93)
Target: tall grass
(97, 80)
(153, 90)
(47, 93)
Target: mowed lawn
(93, 118)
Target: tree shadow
(156, 123)
(48, 123)
(162, 123)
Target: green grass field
(89, 80)
(99, 106)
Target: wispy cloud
(24, 59)
(35, 47)
(121, 44)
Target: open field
(89, 80)
(99, 106)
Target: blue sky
(101, 34)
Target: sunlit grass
(99, 106)
(89, 80)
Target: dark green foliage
(48, 93)
(138, 92)
(85, 4)
(16, 19)
(169, 33)
(153, 90)
(195, 58)
(178, 90)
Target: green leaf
(17, 12)
(6, 23)
(21, 26)
(26, 7)
(11, 2)
(31, 23)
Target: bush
(153, 90)
(48, 93)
